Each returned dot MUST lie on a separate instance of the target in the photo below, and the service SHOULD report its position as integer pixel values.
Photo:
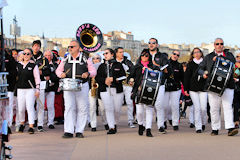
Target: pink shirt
(90, 66)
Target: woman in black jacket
(194, 86)
(110, 75)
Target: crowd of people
(107, 82)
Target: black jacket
(192, 80)
(176, 76)
(53, 84)
(115, 70)
(130, 65)
(208, 63)
(11, 68)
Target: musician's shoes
(89, 125)
(175, 128)
(203, 127)
(199, 131)
(51, 126)
(148, 133)
(115, 128)
(67, 135)
(21, 128)
(214, 133)
(162, 130)
(170, 122)
(79, 135)
(165, 125)
(131, 125)
(94, 129)
(40, 129)
(144, 128)
(140, 130)
(232, 132)
(192, 125)
(111, 131)
(31, 131)
(135, 121)
(106, 127)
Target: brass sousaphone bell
(90, 37)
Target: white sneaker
(17, 128)
(131, 125)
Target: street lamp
(15, 30)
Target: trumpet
(94, 86)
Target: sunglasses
(106, 53)
(176, 54)
(96, 58)
(219, 44)
(152, 43)
(71, 46)
(145, 55)
(26, 53)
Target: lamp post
(15, 30)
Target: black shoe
(135, 122)
(214, 132)
(21, 128)
(165, 125)
(94, 129)
(31, 131)
(89, 125)
(144, 128)
(175, 128)
(40, 129)
(111, 131)
(140, 130)
(9, 130)
(149, 134)
(79, 135)
(51, 126)
(67, 135)
(170, 122)
(60, 122)
(232, 132)
(192, 125)
(203, 127)
(35, 123)
(162, 130)
(115, 128)
(106, 127)
(199, 131)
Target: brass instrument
(90, 37)
(94, 86)
(41, 67)
(130, 82)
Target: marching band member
(173, 88)
(94, 97)
(226, 99)
(109, 77)
(44, 71)
(52, 87)
(194, 86)
(28, 80)
(127, 87)
(76, 102)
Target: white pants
(112, 103)
(199, 100)
(191, 114)
(140, 115)
(127, 90)
(40, 108)
(159, 105)
(50, 97)
(26, 100)
(76, 108)
(215, 103)
(93, 108)
(9, 108)
(171, 101)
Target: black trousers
(236, 106)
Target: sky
(170, 21)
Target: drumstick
(78, 76)
(33, 88)
(68, 71)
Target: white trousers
(9, 108)
(141, 110)
(191, 114)
(215, 103)
(40, 108)
(50, 97)
(93, 108)
(26, 100)
(171, 102)
(112, 103)
(159, 105)
(127, 90)
(199, 100)
(76, 109)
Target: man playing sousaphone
(215, 100)
(76, 66)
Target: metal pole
(2, 48)
(15, 41)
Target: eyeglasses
(26, 53)
(71, 46)
(145, 55)
(176, 54)
(219, 44)
(152, 43)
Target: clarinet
(108, 75)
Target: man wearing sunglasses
(226, 99)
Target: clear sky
(170, 21)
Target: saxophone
(94, 86)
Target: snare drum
(69, 84)
(149, 88)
